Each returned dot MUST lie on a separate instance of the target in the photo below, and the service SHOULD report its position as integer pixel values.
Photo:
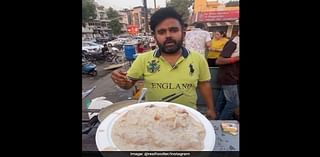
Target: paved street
(104, 86)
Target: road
(104, 86)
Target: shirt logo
(191, 69)
(153, 66)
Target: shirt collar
(185, 52)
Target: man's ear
(154, 37)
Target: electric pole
(146, 16)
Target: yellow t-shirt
(217, 44)
(173, 84)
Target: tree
(88, 10)
(114, 23)
(181, 6)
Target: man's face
(169, 36)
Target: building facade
(216, 16)
(124, 19)
(97, 27)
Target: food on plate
(158, 128)
(229, 128)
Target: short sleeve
(204, 70)
(136, 70)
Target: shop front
(227, 21)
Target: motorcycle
(89, 68)
(95, 57)
(113, 55)
(109, 54)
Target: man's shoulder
(204, 32)
(197, 31)
(146, 54)
(207, 33)
(191, 32)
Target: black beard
(171, 49)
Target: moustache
(169, 41)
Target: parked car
(91, 47)
(137, 39)
(102, 40)
(116, 42)
(126, 38)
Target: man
(152, 44)
(171, 73)
(228, 78)
(198, 39)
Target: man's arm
(222, 61)
(208, 40)
(206, 92)
(208, 45)
(128, 79)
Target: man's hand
(211, 115)
(120, 78)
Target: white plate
(103, 134)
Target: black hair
(223, 34)
(163, 14)
(199, 25)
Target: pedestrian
(198, 39)
(152, 44)
(217, 44)
(228, 78)
(140, 47)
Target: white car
(91, 47)
(116, 42)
